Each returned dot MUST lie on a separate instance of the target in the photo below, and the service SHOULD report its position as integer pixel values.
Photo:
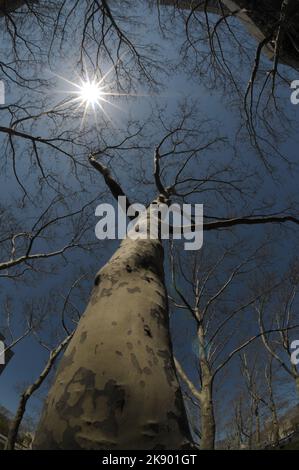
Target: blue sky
(41, 289)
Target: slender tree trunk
(275, 424)
(116, 387)
(250, 433)
(208, 427)
(15, 425)
(258, 425)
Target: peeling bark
(116, 387)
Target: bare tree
(215, 326)
(283, 314)
(130, 296)
(14, 428)
(118, 372)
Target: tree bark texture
(115, 387)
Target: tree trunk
(115, 387)
(208, 427)
(258, 426)
(275, 424)
(15, 424)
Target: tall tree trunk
(258, 425)
(275, 424)
(208, 427)
(115, 387)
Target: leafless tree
(219, 317)
(282, 314)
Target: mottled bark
(116, 387)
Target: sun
(91, 93)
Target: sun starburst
(90, 94)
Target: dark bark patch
(150, 351)
(147, 331)
(168, 366)
(69, 438)
(94, 298)
(119, 353)
(123, 284)
(142, 383)
(115, 402)
(159, 316)
(129, 332)
(114, 323)
(153, 428)
(147, 371)
(83, 336)
(67, 360)
(161, 294)
(134, 290)
(130, 346)
(97, 280)
(136, 363)
(45, 440)
(106, 293)
(181, 417)
(128, 268)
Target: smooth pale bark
(116, 387)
